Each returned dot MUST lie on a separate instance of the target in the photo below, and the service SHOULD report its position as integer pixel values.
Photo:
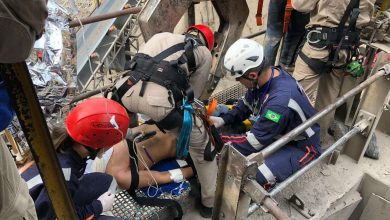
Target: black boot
(205, 212)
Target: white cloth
(217, 121)
(107, 200)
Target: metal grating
(126, 207)
(234, 92)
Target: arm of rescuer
(304, 6)
(238, 113)
(271, 123)
(42, 202)
(93, 209)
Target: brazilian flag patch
(273, 116)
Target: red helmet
(97, 123)
(206, 32)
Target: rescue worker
(275, 31)
(21, 23)
(169, 71)
(92, 126)
(276, 104)
(332, 41)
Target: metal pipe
(288, 181)
(255, 34)
(27, 108)
(252, 208)
(274, 209)
(97, 18)
(109, 49)
(301, 128)
(324, 154)
(90, 93)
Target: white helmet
(243, 55)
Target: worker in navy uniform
(276, 104)
(91, 127)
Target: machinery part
(89, 37)
(355, 68)
(97, 18)
(298, 205)
(274, 210)
(298, 130)
(109, 45)
(260, 196)
(28, 110)
(371, 105)
(233, 169)
(255, 34)
(364, 115)
(161, 16)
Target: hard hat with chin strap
(97, 123)
(243, 55)
(207, 33)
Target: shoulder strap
(171, 50)
(352, 4)
(353, 7)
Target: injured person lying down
(130, 161)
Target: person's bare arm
(146, 178)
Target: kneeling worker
(276, 104)
(163, 79)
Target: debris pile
(378, 30)
(52, 69)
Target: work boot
(195, 188)
(372, 149)
(205, 212)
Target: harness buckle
(308, 37)
(193, 42)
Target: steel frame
(127, 32)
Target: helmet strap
(92, 152)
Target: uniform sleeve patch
(272, 116)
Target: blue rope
(185, 133)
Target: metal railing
(243, 169)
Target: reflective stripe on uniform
(38, 180)
(267, 173)
(295, 106)
(250, 137)
(247, 104)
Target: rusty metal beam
(27, 108)
(97, 18)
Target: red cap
(206, 32)
(98, 123)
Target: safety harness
(168, 74)
(334, 39)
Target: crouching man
(276, 104)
